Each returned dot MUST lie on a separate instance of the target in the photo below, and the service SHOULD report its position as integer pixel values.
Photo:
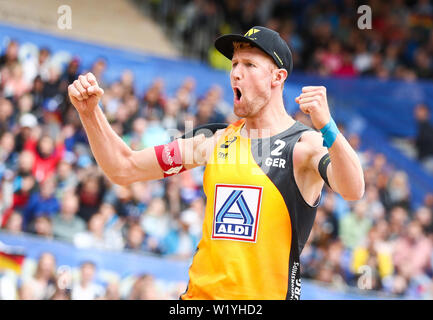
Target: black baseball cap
(265, 39)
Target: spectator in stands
(47, 153)
(173, 116)
(221, 108)
(140, 197)
(413, 250)
(86, 288)
(6, 112)
(112, 222)
(112, 291)
(143, 288)
(8, 286)
(37, 92)
(128, 205)
(25, 105)
(52, 91)
(424, 138)
(135, 138)
(98, 69)
(97, 237)
(25, 126)
(71, 72)
(25, 292)
(7, 146)
(194, 214)
(398, 190)
(346, 69)
(326, 228)
(206, 113)
(37, 66)
(14, 224)
(63, 284)
(179, 241)
(41, 285)
(374, 252)
(173, 194)
(354, 227)
(154, 101)
(424, 216)
(67, 224)
(156, 221)
(15, 86)
(66, 178)
(43, 202)
(10, 57)
(398, 219)
(61, 294)
(23, 168)
(428, 200)
(330, 267)
(43, 227)
(423, 64)
(16, 196)
(137, 240)
(375, 208)
(90, 192)
(23, 183)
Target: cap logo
(251, 32)
(279, 59)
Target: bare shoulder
(203, 147)
(210, 142)
(309, 143)
(312, 139)
(308, 148)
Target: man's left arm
(344, 171)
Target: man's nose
(236, 73)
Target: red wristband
(169, 158)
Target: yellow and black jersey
(256, 221)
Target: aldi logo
(236, 212)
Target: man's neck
(269, 121)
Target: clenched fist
(85, 93)
(313, 101)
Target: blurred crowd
(378, 243)
(50, 184)
(51, 187)
(45, 279)
(323, 35)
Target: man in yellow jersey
(263, 177)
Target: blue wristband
(329, 133)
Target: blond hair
(241, 45)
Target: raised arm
(118, 161)
(343, 169)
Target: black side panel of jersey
(274, 156)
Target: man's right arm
(118, 161)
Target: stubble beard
(249, 107)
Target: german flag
(11, 258)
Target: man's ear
(278, 77)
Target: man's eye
(234, 64)
(250, 65)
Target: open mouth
(237, 93)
